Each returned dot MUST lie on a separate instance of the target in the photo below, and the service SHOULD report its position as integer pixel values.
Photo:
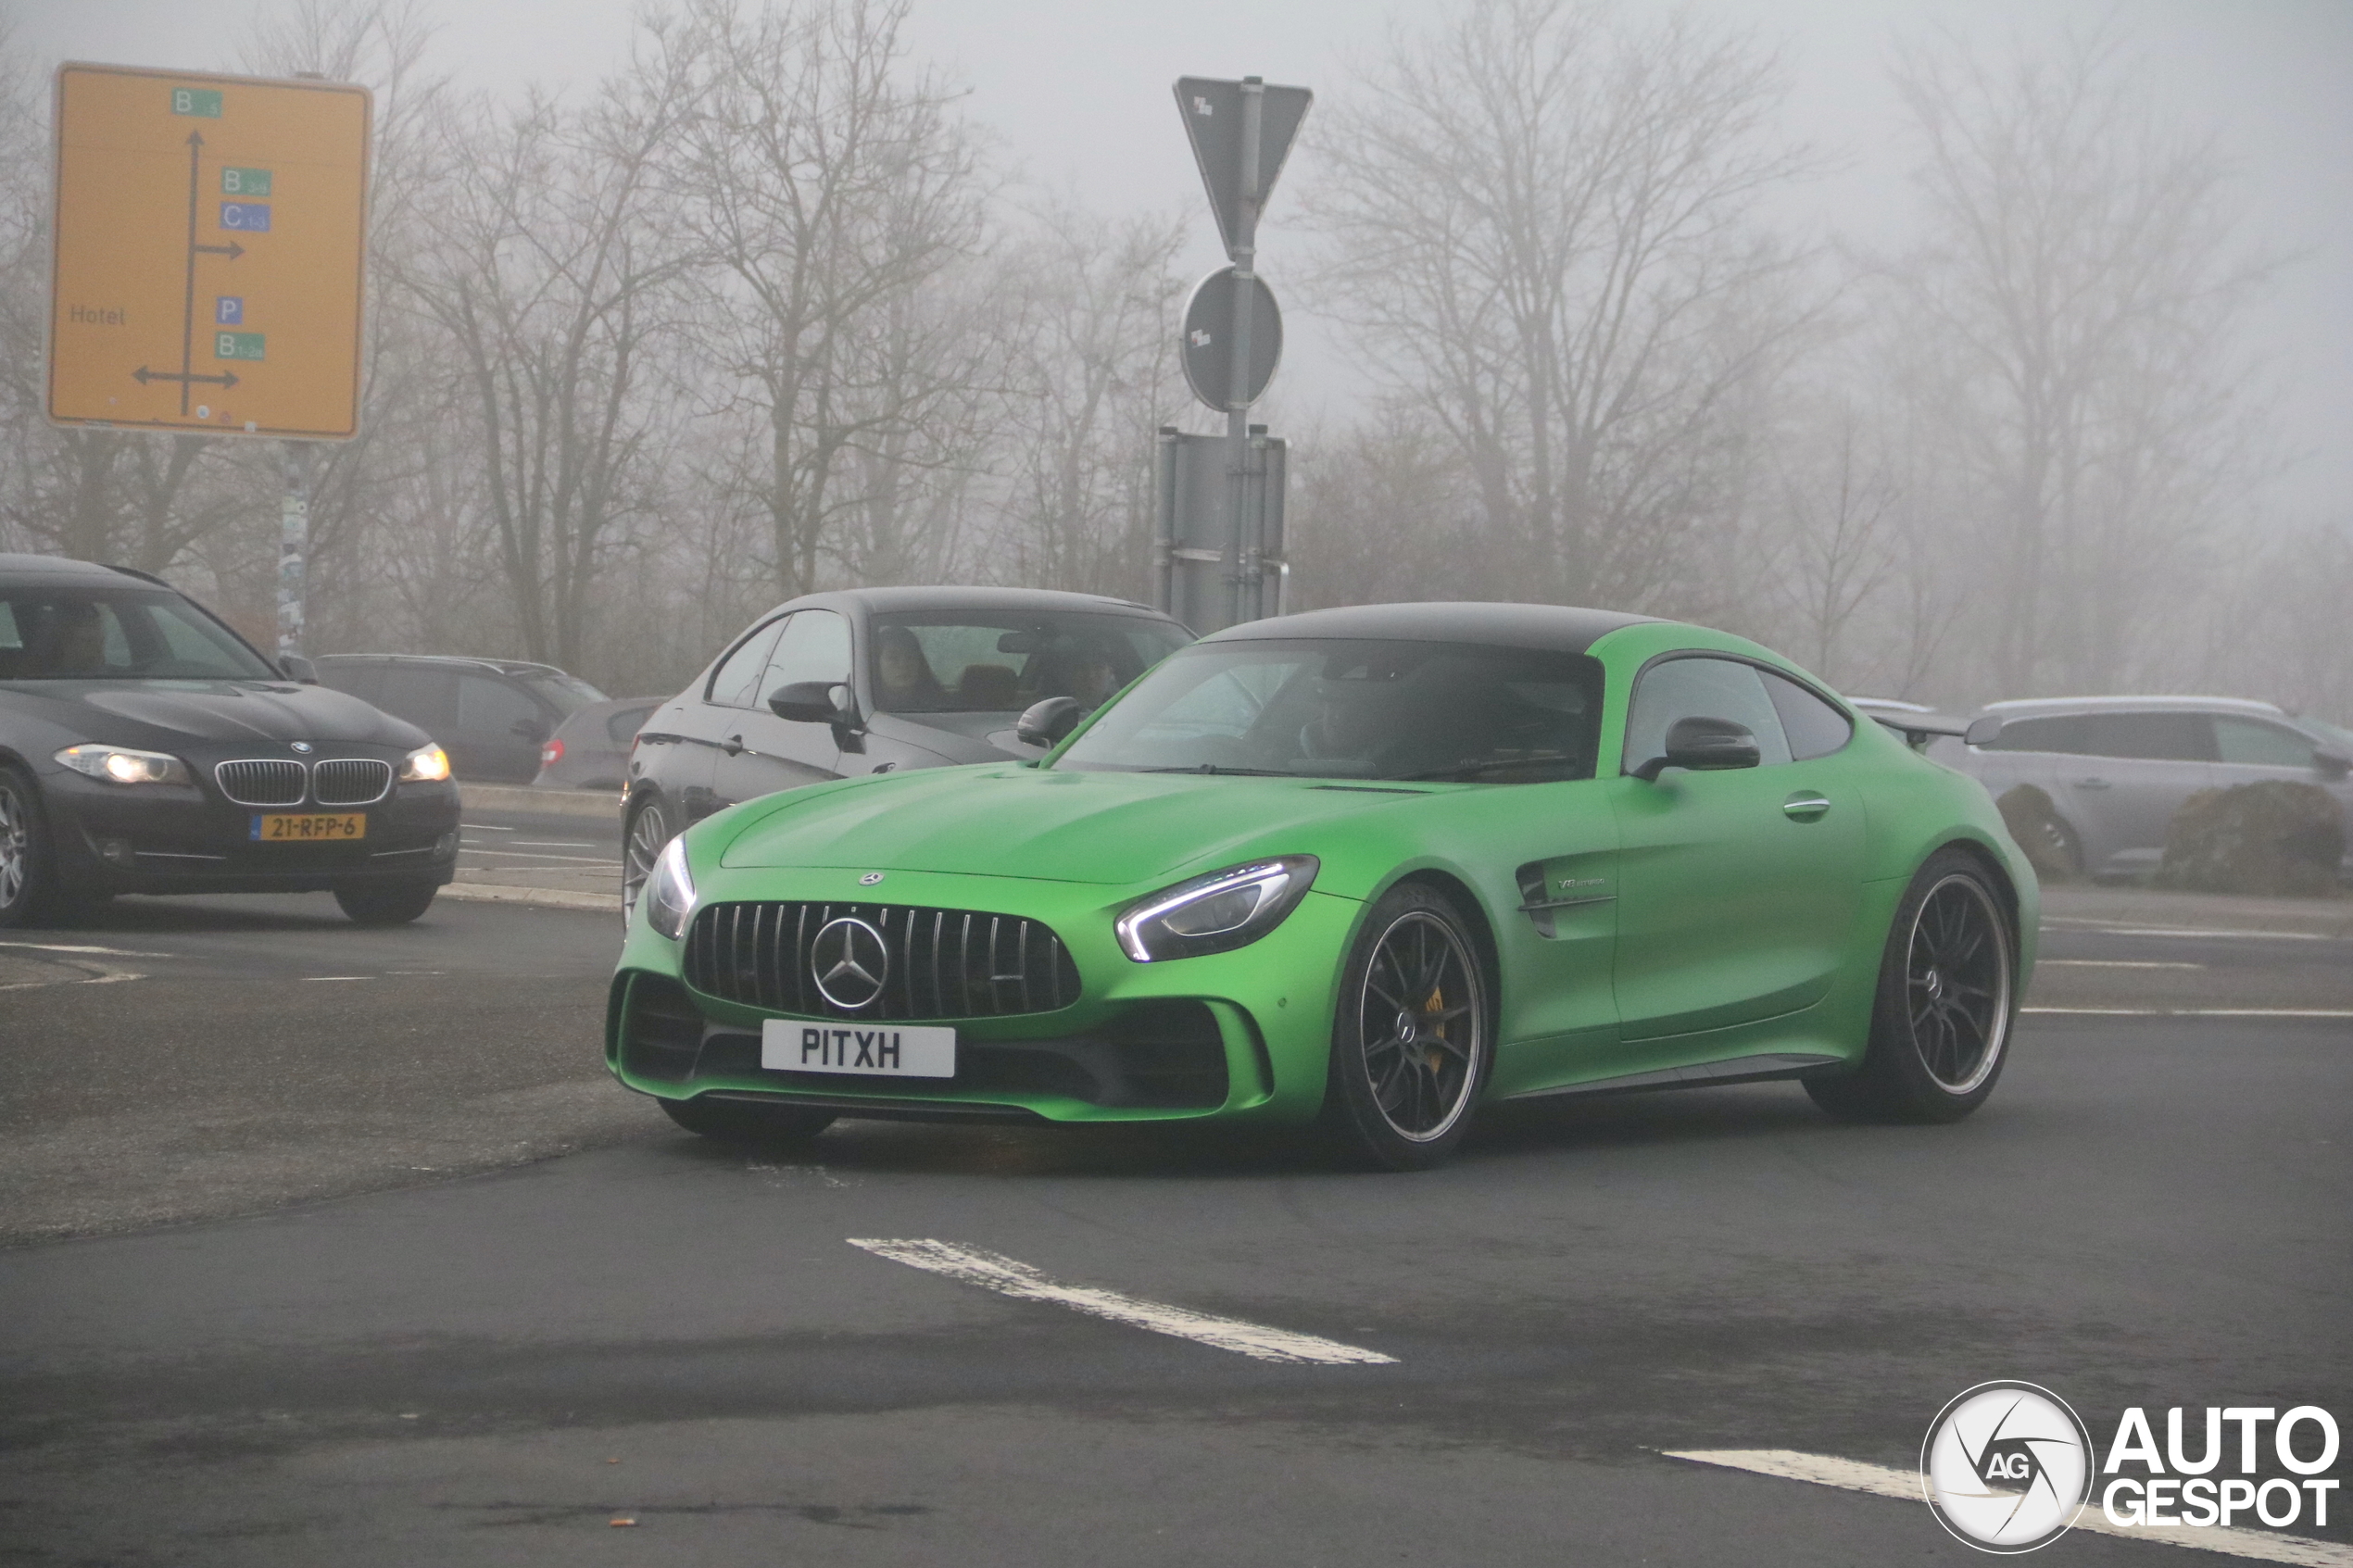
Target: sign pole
(1245, 255)
(294, 544)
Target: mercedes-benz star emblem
(303, 746)
(850, 961)
(870, 879)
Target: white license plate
(884, 1050)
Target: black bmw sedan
(146, 748)
(872, 680)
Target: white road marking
(108, 952)
(2105, 929)
(109, 978)
(2112, 963)
(1008, 1276)
(2201, 1012)
(533, 855)
(2264, 1545)
(551, 844)
(485, 827)
(338, 977)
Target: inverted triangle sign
(1212, 109)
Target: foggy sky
(1076, 92)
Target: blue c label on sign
(247, 217)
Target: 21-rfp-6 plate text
(886, 1050)
(279, 827)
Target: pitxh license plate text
(881, 1050)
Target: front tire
(1947, 1000)
(735, 1122)
(1413, 1046)
(28, 891)
(642, 839)
(386, 903)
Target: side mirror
(298, 668)
(1983, 732)
(531, 730)
(1049, 723)
(1705, 746)
(815, 702)
(2336, 764)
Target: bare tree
(2069, 330)
(543, 267)
(1539, 224)
(829, 187)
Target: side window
(2066, 732)
(732, 683)
(2266, 746)
(2153, 738)
(1814, 728)
(815, 646)
(1701, 688)
(490, 706)
(361, 678)
(621, 728)
(425, 696)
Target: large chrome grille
(943, 963)
(263, 780)
(350, 780)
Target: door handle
(1805, 806)
(2091, 783)
(733, 745)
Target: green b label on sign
(237, 345)
(244, 182)
(205, 101)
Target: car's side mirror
(1049, 723)
(816, 702)
(298, 668)
(531, 730)
(1983, 732)
(2336, 764)
(1704, 746)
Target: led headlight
(427, 764)
(669, 895)
(1217, 912)
(120, 765)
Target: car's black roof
(1559, 627)
(32, 570)
(888, 600)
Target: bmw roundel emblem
(303, 746)
(850, 961)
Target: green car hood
(1111, 828)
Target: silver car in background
(2116, 768)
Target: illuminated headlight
(427, 764)
(119, 765)
(670, 892)
(1217, 912)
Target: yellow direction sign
(209, 245)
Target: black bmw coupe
(146, 748)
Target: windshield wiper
(1535, 759)
(1231, 772)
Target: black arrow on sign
(231, 250)
(143, 375)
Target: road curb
(546, 802)
(537, 897)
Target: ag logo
(850, 961)
(2006, 1466)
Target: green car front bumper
(1241, 1035)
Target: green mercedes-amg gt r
(1375, 867)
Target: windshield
(1320, 708)
(77, 633)
(2335, 736)
(976, 661)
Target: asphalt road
(2152, 1210)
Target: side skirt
(1738, 1069)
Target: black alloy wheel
(643, 841)
(1947, 1001)
(28, 893)
(1411, 1049)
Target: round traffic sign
(1208, 343)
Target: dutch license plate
(886, 1050)
(286, 827)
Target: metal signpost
(209, 252)
(1240, 132)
